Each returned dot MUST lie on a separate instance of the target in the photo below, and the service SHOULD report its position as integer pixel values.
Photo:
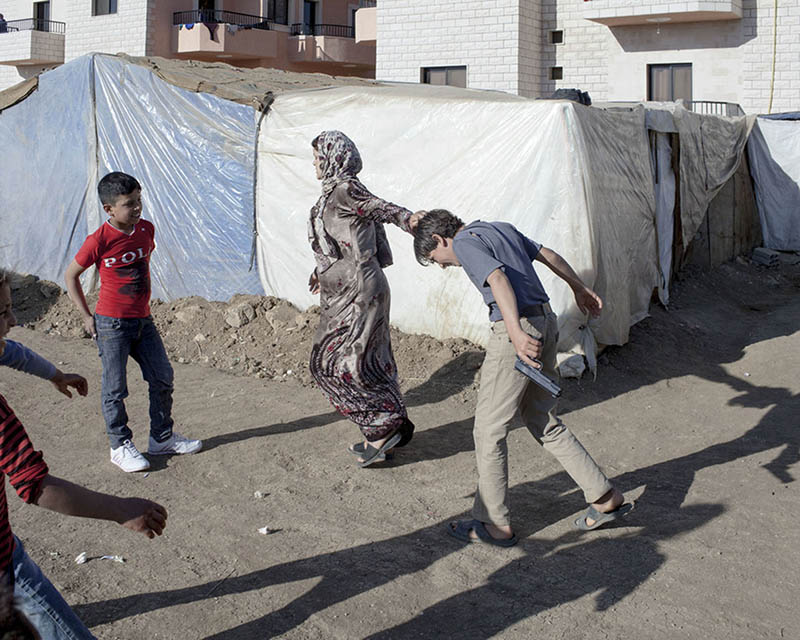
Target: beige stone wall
(530, 49)
(483, 35)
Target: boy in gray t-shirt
(498, 260)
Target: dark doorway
(310, 16)
(41, 16)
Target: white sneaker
(176, 444)
(128, 458)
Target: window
(669, 82)
(104, 7)
(557, 37)
(556, 73)
(451, 76)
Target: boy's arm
(588, 301)
(75, 290)
(137, 514)
(527, 347)
(19, 357)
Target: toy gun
(538, 377)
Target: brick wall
(583, 55)
(482, 35)
(759, 29)
(531, 69)
(124, 31)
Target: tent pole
(266, 102)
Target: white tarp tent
(575, 178)
(774, 154)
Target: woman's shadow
(450, 379)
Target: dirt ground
(696, 419)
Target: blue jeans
(118, 338)
(41, 603)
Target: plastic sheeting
(46, 178)
(774, 154)
(193, 154)
(711, 150)
(573, 178)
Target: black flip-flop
(372, 455)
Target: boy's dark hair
(116, 184)
(438, 221)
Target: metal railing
(333, 30)
(34, 24)
(206, 16)
(367, 4)
(709, 107)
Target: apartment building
(296, 35)
(744, 52)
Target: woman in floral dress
(351, 359)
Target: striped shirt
(25, 469)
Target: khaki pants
(503, 392)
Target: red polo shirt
(123, 261)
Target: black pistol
(538, 377)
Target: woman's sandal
(360, 448)
(372, 455)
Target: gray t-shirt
(482, 247)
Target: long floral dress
(351, 359)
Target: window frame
(447, 69)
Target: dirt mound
(259, 336)
(266, 337)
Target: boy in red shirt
(122, 324)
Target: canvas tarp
(192, 152)
(573, 178)
(774, 154)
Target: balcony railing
(34, 24)
(222, 17)
(333, 30)
(709, 107)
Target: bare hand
(62, 381)
(413, 221)
(528, 348)
(313, 282)
(588, 301)
(88, 324)
(143, 516)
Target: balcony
(334, 43)
(32, 42)
(617, 13)
(366, 22)
(214, 35)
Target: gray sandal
(463, 527)
(359, 449)
(601, 518)
(372, 455)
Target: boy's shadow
(551, 573)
